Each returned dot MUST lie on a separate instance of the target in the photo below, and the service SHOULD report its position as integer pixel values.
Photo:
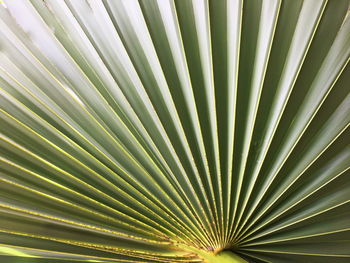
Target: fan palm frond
(174, 131)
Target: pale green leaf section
(174, 131)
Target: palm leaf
(174, 131)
